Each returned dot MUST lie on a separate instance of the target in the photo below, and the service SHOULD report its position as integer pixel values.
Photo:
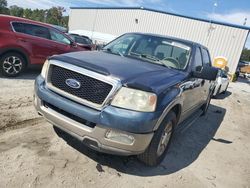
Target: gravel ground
(213, 152)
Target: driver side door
(62, 43)
(192, 88)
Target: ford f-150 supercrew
(128, 98)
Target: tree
(16, 11)
(3, 7)
(245, 56)
(38, 15)
(55, 15)
(65, 21)
(27, 13)
(3, 4)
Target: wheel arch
(177, 110)
(175, 106)
(18, 51)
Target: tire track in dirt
(21, 124)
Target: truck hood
(131, 72)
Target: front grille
(91, 89)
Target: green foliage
(245, 56)
(53, 15)
(3, 7)
(16, 11)
(3, 3)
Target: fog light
(120, 137)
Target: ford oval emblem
(73, 83)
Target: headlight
(45, 68)
(135, 100)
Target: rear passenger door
(36, 39)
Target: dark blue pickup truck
(128, 98)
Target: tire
(205, 106)
(156, 150)
(12, 64)
(224, 92)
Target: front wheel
(12, 64)
(160, 142)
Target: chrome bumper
(94, 138)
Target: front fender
(169, 100)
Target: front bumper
(94, 137)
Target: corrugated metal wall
(220, 39)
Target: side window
(58, 37)
(37, 31)
(82, 40)
(197, 60)
(33, 30)
(18, 27)
(206, 58)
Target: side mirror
(205, 72)
(73, 44)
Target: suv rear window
(31, 29)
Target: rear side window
(82, 40)
(197, 60)
(19, 27)
(31, 29)
(206, 57)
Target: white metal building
(222, 39)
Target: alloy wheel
(165, 138)
(12, 65)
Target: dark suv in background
(82, 41)
(25, 43)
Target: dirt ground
(213, 152)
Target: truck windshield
(159, 50)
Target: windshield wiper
(110, 51)
(150, 57)
(146, 56)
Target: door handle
(22, 40)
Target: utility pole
(245, 21)
(45, 16)
(211, 28)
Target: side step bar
(183, 126)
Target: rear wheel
(12, 64)
(159, 144)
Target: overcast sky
(230, 11)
